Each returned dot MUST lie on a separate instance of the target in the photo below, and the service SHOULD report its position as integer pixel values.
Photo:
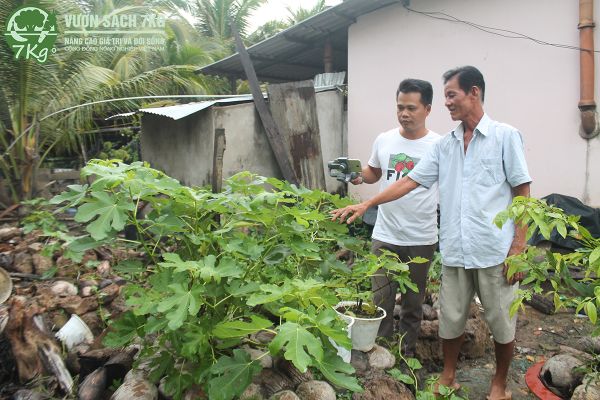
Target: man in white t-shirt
(408, 226)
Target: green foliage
(406, 374)
(216, 16)
(231, 374)
(354, 282)
(41, 218)
(273, 27)
(41, 110)
(220, 267)
(583, 294)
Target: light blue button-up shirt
(474, 187)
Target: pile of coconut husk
(52, 324)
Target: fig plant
(354, 283)
(219, 268)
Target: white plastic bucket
(74, 332)
(364, 330)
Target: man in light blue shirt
(480, 166)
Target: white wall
(532, 87)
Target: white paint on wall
(532, 87)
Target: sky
(276, 9)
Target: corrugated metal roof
(183, 110)
(297, 53)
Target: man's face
(458, 102)
(411, 112)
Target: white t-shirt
(412, 219)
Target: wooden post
(294, 107)
(217, 168)
(275, 140)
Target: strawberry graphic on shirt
(401, 164)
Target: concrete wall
(331, 116)
(532, 87)
(184, 148)
(247, 147)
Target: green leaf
(302, 347)
(270, 293)
(445, 390)
(328, 323)
(234, 329)
(514, 307)
(425, 396)
(73, 196)
(161, 365)
(182, 303)
(277, 255)
(234, 374)
(413, 364)
(123, 330)
(336, 371)
(501, 218)
(240, 288)
(590, 310)
(399, 376)
(108, 212)
(541, 224)
(594, 256)
(562, 229)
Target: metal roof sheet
(297, 52)
(183, 110)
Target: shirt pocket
(491, 171)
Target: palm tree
(300, 14)
(273, 27)
(40, 104)
(266, 30)
(215, 16)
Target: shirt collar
(483, 127)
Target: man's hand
(518, 276)
(351, 212)
(358, 180)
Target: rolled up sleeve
(513, 158)
(426, 172)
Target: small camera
(344, 169)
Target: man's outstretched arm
(393, 192)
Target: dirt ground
(538, 338)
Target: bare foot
(499, 392)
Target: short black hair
(417, 86)
(468, 76)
